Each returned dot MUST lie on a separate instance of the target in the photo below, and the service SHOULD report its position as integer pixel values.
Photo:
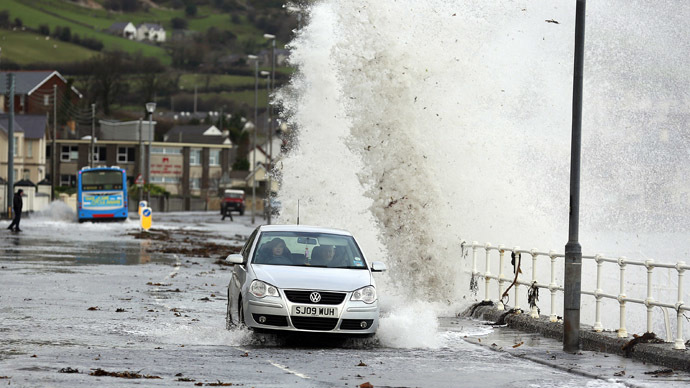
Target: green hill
(26, 47)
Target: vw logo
(315, 297)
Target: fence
(534, 284)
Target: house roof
(33, 126)
(151, 26)
(198, 139)
(118, 26)
(26, 82)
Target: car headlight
(365, 294)
(260, 289)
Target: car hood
(312, 278)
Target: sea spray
(422, 124)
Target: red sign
(139, 180)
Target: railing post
(552, 287)
(649, 264)
(679, 343)
(516, 277)
(501, 277)
(534, 313)
(622, 331)
(474, 258)
(598, 327)
(487, 274)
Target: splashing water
(423, 123)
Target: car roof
(303, 228)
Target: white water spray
(423, 123)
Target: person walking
(17, 205)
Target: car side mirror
(234, 258)
(378, 266)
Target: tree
(179, 23)
(190, 9)
(105, 81)
(5, 19)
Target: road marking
(283, 367)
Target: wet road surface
(152, 306)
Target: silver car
(303, 279)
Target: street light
(150, 107)
(268, 190)
(256, 115)
(270, 122)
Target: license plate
(315, 311)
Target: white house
(151, 31)
(123, 29)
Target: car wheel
(241, 314)
(229, 324)
(242, 212)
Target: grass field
(25, 47)
(187, 81)
(34, 17)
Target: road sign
(140, 180)
(146, 218)
(142, 205)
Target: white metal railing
(598, 293)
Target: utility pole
(195, 99)
(141, 160)
(256, 123)
(573, 250)
(93, 134)
(53, 172)
(270, 127)
(10, 145)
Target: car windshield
(234, 195)
(303, 249)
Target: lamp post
(93, 135)
(150, 107)
(256, 115)
(573, 251)
(270, 124)
(267, 190)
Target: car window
(248, 246)
(305, 249)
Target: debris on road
(125, 374)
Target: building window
(166, 150)
(46, 99)
(29, 149)
(125, 154)
(195, 183)
(99, 154)
(26, 174)
(214, 158)
(68, 180)
(15, 146)
(165, 179)
(69, 153)
(195, 157)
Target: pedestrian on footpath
(17, 205)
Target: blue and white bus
(102, 194)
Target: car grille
(355, 324)
(271, 320)
(326, 297)
(309, 323)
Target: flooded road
(106, 305)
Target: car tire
(229, 324)
(242, 212)
(240, 314)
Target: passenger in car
(275, 252)
(323, 255)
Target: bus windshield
(101, 180)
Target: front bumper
(274, 313)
